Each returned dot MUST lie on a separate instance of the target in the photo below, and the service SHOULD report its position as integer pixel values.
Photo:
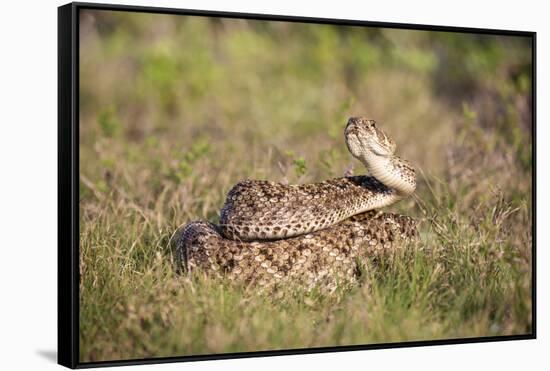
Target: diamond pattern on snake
(309, 233)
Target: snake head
(363, 136)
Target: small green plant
(185, 165)
(109, 123)
(300, 167)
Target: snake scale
(310, 233)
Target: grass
(169, 124)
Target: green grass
(174, 111)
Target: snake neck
(392, 171)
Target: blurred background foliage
(174, 110)
(286, 86)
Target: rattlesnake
(313, 233)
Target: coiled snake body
(313, 233)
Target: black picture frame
(68, 182)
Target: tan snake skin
(325, 258)
(311, 233)
(261, 210)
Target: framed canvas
(240, 185)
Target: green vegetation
(176, 110)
